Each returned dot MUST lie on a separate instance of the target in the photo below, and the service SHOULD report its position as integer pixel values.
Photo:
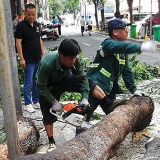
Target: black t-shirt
(30, 41)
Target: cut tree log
(28, 138)
(152, 149)
(102, 141)
(28, 135)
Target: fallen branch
(103, 140)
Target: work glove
(138, 93)
(84, 103)
(148, 46)
(56, 106)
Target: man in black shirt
(30, 51)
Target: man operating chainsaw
(59, 72)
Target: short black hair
(53, 17)
(13, 17)
(69, 47)
(30, 6)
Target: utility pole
(6, 86)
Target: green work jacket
(106, 70)
(50, 73)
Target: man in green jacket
(111, 61)
(58, 72)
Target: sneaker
(52, 147)
(116, 102)
(36, 105)
(29, 108)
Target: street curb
(131, 39)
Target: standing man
(82, 23)
(89, 22)
(60, 71)
(30, 51)
(59, 24)
(111, 61)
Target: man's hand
(23, 63)
(138, 93)
(56, 106)
(148, 46)
(84, 102)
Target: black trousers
(59, 29)
(82, 29)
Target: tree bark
(117, 13)
(102, 20)
(103, 139)
(96, 16)
(130, 5)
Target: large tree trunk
(103, 140)
(102, 20)
(130, 5)
(96, 16)
(117, 13)
(152, 149)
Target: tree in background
(117, 13)
(96, 15)
(130, 5)
(56, 7)
(95, 7)
(63, 7)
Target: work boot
(116, 102)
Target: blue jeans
(30, 84)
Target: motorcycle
(49, 33)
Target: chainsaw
(72, 115)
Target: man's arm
(20, 54)
(42, 48)
(110, 46)
(128, 77)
